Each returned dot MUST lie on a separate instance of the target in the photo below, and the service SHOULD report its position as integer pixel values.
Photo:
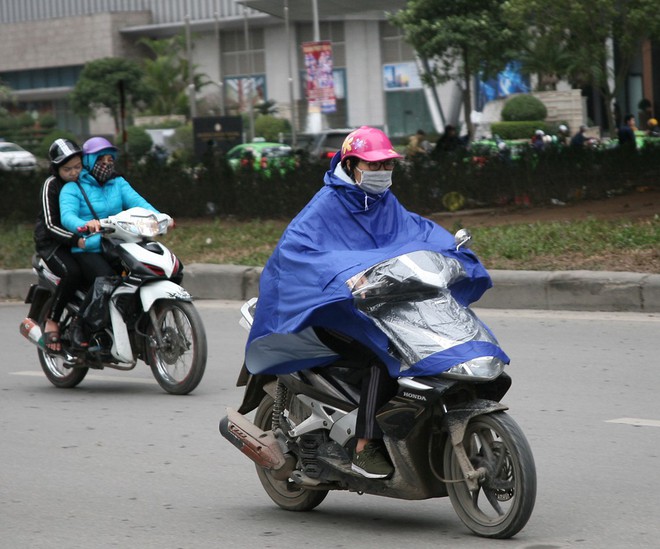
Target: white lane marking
(636, 421)
(93, 377)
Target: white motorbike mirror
(462, 237)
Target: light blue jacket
(108, 199)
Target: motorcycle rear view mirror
(462, 238)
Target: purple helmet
(96, 144)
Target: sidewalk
(543, 290)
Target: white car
(15, 158)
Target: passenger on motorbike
(53, 242)
(99, 192)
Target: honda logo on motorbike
(414, 396)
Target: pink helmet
(96, 144)
(368, 144)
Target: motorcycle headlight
(143, 226)
(483, 368)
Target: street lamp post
(191, 81)
(219, 48)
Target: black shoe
(78, 337)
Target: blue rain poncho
(341, 232)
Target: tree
(460, 39)
(596, 33)
(166, 75)
(5, 97)
(545, 55)
(99, 87)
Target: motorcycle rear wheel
(60, 373)
(502, 505)
(285, 493)
(178, 364)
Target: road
(117, 462)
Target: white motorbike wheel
(179, 361)
(504, 501)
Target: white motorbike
(148, 315)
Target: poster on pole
(320, 83)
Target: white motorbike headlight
(143, 226)
(128, 226)
(483, 368)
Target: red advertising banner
(320, 85)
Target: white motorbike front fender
(162, 289)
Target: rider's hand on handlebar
(93, 226)
(357, 282)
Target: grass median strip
(591, 244)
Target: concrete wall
(66, 42)
(565, 107)
(364, 74)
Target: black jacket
(48, 232)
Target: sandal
(52, 342)
(52, 337)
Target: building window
(237, 59)
(394, 48)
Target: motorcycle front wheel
(502, 505)
(178, 361)
(59, 372)
(285, 493)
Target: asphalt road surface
(117, 462)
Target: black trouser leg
(377, 387)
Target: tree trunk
(467, 95)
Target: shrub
(524, 107)
(138, 142)
(47, 121)
(270, 127)
(518, 130)
(25, 120)
(182, 143)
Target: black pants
(63, 264)
(93, 265)
(376, 385)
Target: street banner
(320, 84)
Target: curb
(542, 290)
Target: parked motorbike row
(447, 433)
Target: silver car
(14, 158)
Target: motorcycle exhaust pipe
(260, 446)
(32, 332)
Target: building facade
(247, 56)
(248, 52)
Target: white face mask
(374, 182)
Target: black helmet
(62, 150)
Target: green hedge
(213, 189)
(518, 130)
